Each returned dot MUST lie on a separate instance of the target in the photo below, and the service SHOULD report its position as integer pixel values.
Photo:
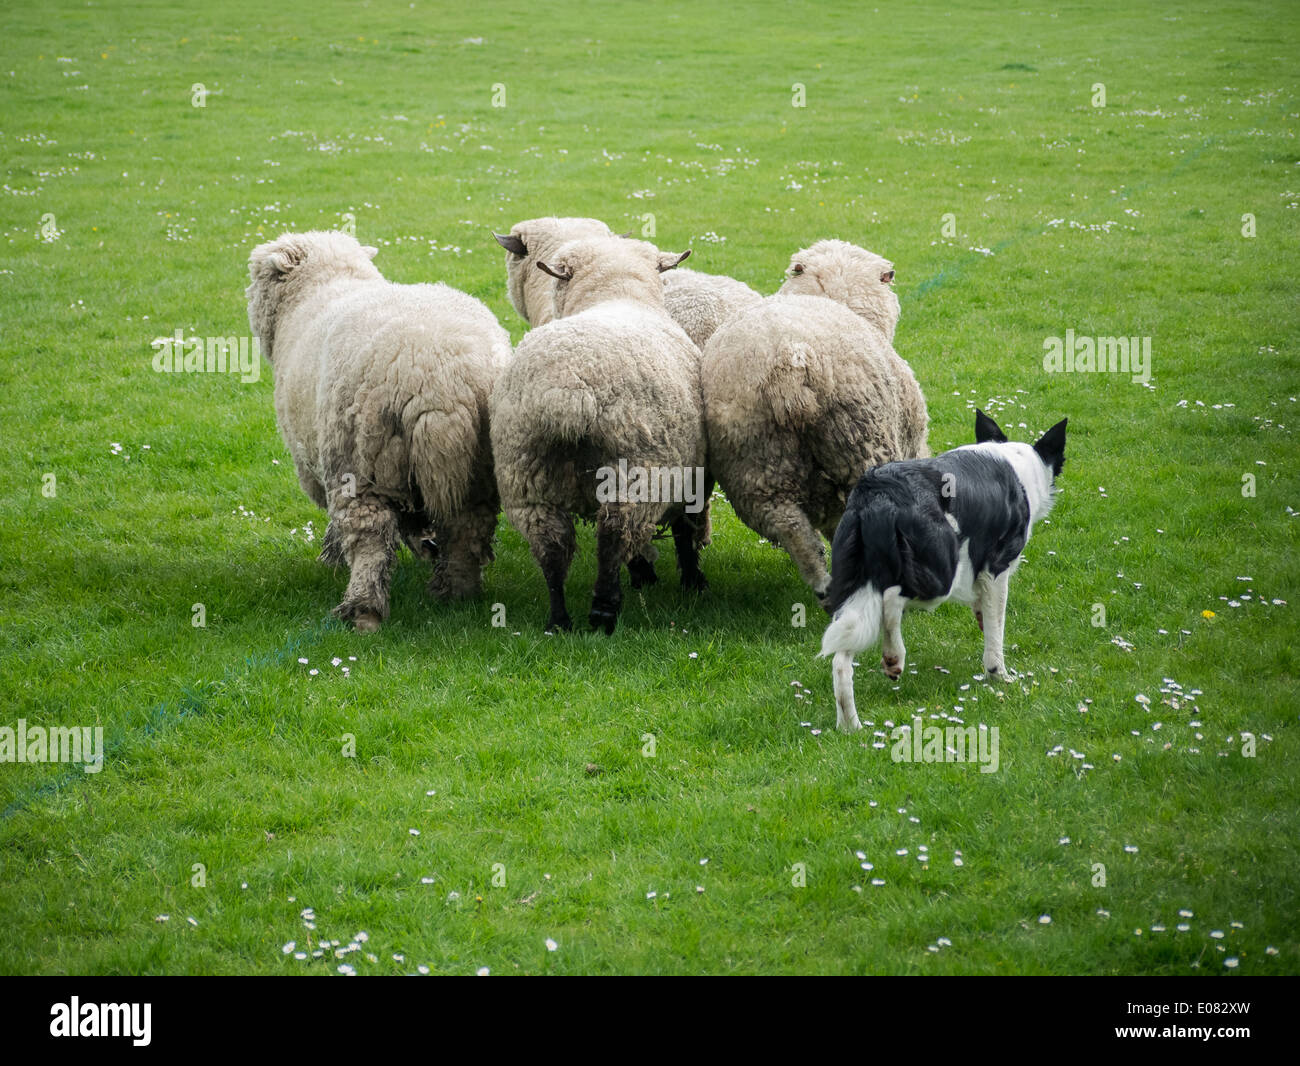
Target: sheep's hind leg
(623, 532)
(641, 571)
(786, 525)
(686, 539)
(549, 532)
(365, 531)
(465, 548)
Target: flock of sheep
(409, 417)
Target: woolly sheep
(804, 393)
(700, 303)
(609, 388)
(530, 242)
(381, 394)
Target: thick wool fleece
(612, 378)
(381, 394)
(804, 393)
(529, 288)
(700, 303)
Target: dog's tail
(856, 625)
(860, 575)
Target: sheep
(381, 394)
(531, 241)
(700, 303)
(804, 393)
(600, 416)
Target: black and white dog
(924, 531)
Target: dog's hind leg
(846, 714)
(994, 609)
(893, 655)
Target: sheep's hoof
(695, 581)
(561, 624)
(603, 617)
(893, 666)
(641, 572)
(446, 590)
(364, 619)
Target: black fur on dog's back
(895, 530)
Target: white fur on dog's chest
(963, 581)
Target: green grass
(225, 751)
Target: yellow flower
(1207, 614)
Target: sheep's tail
(796, 385)
(572, 415)
(447, 447)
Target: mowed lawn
(673, 799)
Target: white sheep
(527, 244)
(700, 303)
(804, 393)
(600, 416)
(381, 394)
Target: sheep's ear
(563, 274)
(888, 276)
(370, 251)
(278, 257)
(667, 260)
(986, 429)
(511, 244)
(1051, 447)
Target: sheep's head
(525, 244)
(593, 271)
(859, 279)
(282, 269)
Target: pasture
(472, 793)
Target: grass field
(667, 800)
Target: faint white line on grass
(192, 701)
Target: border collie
(924, 531)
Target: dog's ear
(512, 244)
(1051, 447)
(986, 429)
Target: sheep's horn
(511, 243)
(555, 273)
(627, 234)
(665, 264)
